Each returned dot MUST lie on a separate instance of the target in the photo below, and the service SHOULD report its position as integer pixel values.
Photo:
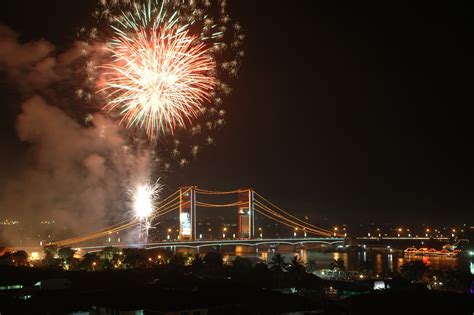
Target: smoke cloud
(34, 65)
(73, 173)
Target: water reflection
(381, 263)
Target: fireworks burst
(159, 78)
(143, 198)
(164, 68)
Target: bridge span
(218, 243)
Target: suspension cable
(211, 192)
(211, 205)
(299, 225)
(293, 223)
(163, 200)
(289, 213)
(284, 223)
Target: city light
(34, 256)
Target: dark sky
(350, 112)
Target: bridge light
(169, 230)
(427, 230)
(200, 236)
(335, 228)
(400, 229)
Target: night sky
(344, 112)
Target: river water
(381, 263)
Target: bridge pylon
(187, 213)
(245, 215)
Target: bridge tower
(245, 215)
(187, 213)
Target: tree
(241, 265)
(277, 263)
(297, 265)
(261, 268)
(337, 265)
(178, 259)
(311, 266)
(109, 253)
(6, 259)
(51, 256)
(367, 268)
(213, 260)
(413, 270)
(88, 261)
(197, 262)
(66, 254)
(109, 257)
(134, 258)
(20, 258)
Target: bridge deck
(252, 242)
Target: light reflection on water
(381, 262)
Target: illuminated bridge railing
(243, 242)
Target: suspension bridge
(186, 201)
